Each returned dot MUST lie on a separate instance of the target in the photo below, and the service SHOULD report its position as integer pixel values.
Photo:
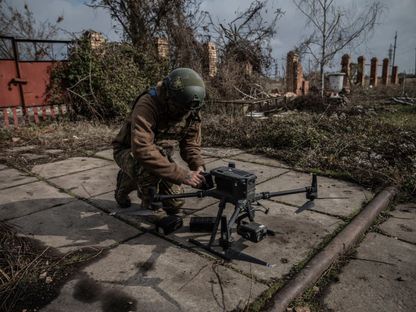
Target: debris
(302, 309)
(404, 100)
(15, 140)
(48, 280)
(43, 275)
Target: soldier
(143, 148)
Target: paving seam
(381, 232)
(40, 210)
(17, 185)
(260, 163)
(68, 174)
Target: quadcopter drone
(237, 187)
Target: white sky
(399, 15)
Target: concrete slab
(335, 197)
(11, 177)
(296, 236)
(262, 172)
(29, 198)
(221, 152)
(382, 277)
(21, 149)
(90, 182)
(30, 156)
(73, 226)
(150, 274)
(53, 151)
(260, 159)
(68, 166)
(107, 154)
(402, 223)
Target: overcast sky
(399, 15)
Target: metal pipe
(338, 246)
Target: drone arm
(311, 191)
(158, 197)
(267, 195)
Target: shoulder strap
(152, 92)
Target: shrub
(100, 83)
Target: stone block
(89, 183)
(12, 177)
(107, 154)
(150, 274)
(29, 198)
(68, 166)
(380, 278)
(73, 226)
(402, 223)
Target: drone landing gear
(225, 241)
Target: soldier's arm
(190, 146)
(144, 121)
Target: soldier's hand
(194, 178)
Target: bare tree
(142, 21)
(22, 24)
(335, 28)
(247, 37)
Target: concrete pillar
(373, 72)
(346, 69)
(395, 75)
(211, 52)
(305, 87)
(96, 39)
(292, 57)
(361, 71)
(385, 72)
(162, 46)
(298, 78)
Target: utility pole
(394, 51)
(390, 52)
(415, 62)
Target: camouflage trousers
(134, 177)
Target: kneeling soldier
(143, 148)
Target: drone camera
(252, 231)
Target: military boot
(158, 212)
(125, 185)
(171, 206)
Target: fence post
(373, 72)
(361, 71)
(346, 69)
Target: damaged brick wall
(294, 75)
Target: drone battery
(253, 232)
(202, 224)
(169, 224)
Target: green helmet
(185, 88)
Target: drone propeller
(306, 206)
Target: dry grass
(81, 138)
(30, 273)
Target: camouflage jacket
(147, 130)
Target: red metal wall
(9, 93)
(37, 75)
